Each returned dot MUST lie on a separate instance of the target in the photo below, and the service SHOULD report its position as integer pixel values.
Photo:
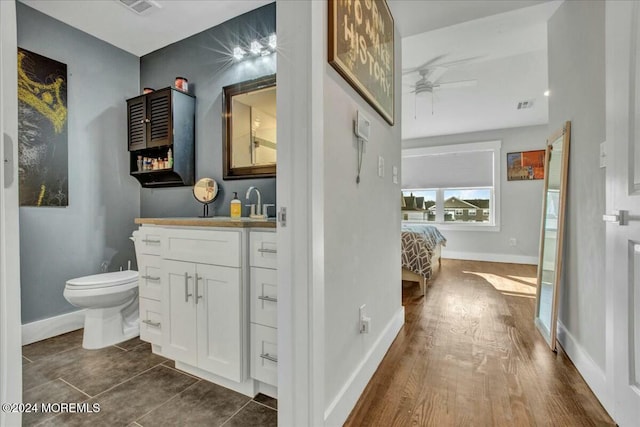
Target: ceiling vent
(522, 105)
(141, 7)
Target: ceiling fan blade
(423, 66)
(453, 85)
(435, 74)
(459, 61)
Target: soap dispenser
(235, 206)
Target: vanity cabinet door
(179, 311)
(220, 324)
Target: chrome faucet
(258, 209)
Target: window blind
(450, 170)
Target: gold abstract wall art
(43, 165)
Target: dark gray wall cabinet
(157, 122)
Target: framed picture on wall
(525, 165)
(43, 163)
(361, 37)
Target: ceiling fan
(430, 74)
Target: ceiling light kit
(260, 47)
(430, 74)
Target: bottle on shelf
(170, 158)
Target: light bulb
(256, 47)
(238, 53)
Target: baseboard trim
(342, 405)
(593, 375)
(248, 387)
(475, 256)
(51, 327)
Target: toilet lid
(104, 280)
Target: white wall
(577, 83)
(361, 239)
(521, 201)
(10, 349)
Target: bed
(421, 250)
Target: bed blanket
(419, 242)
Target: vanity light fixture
(259, 47)
(256, 47)
(238, 53)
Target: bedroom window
(462, 180)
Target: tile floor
(133, 386)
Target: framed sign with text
(361, 49)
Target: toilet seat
(104, 280)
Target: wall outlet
(513, 241)
(365, 321)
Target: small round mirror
(205, 191)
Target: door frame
(10, 322)
(300, 189)
(621, 20)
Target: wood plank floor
(469, 355)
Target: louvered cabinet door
(136, 117)
(159, 113)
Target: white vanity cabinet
(203, 326)
(203, 300)
(208, 299)
(264, 306)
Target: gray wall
(521, 201)
(576, 40)
(57, 244)
(205, 59)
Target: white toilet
(111, 303)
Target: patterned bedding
(418, 244)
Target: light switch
(394, 174)
(381, 166)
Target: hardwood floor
(469, 355)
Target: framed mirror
(250, 129)
(552, 233)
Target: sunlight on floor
(516, 286)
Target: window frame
(494, 208)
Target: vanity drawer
(148, 240)
(203, 246)
(264, 296)
(151, 321)
(264, 354)
(150, 277)
(263, 249)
